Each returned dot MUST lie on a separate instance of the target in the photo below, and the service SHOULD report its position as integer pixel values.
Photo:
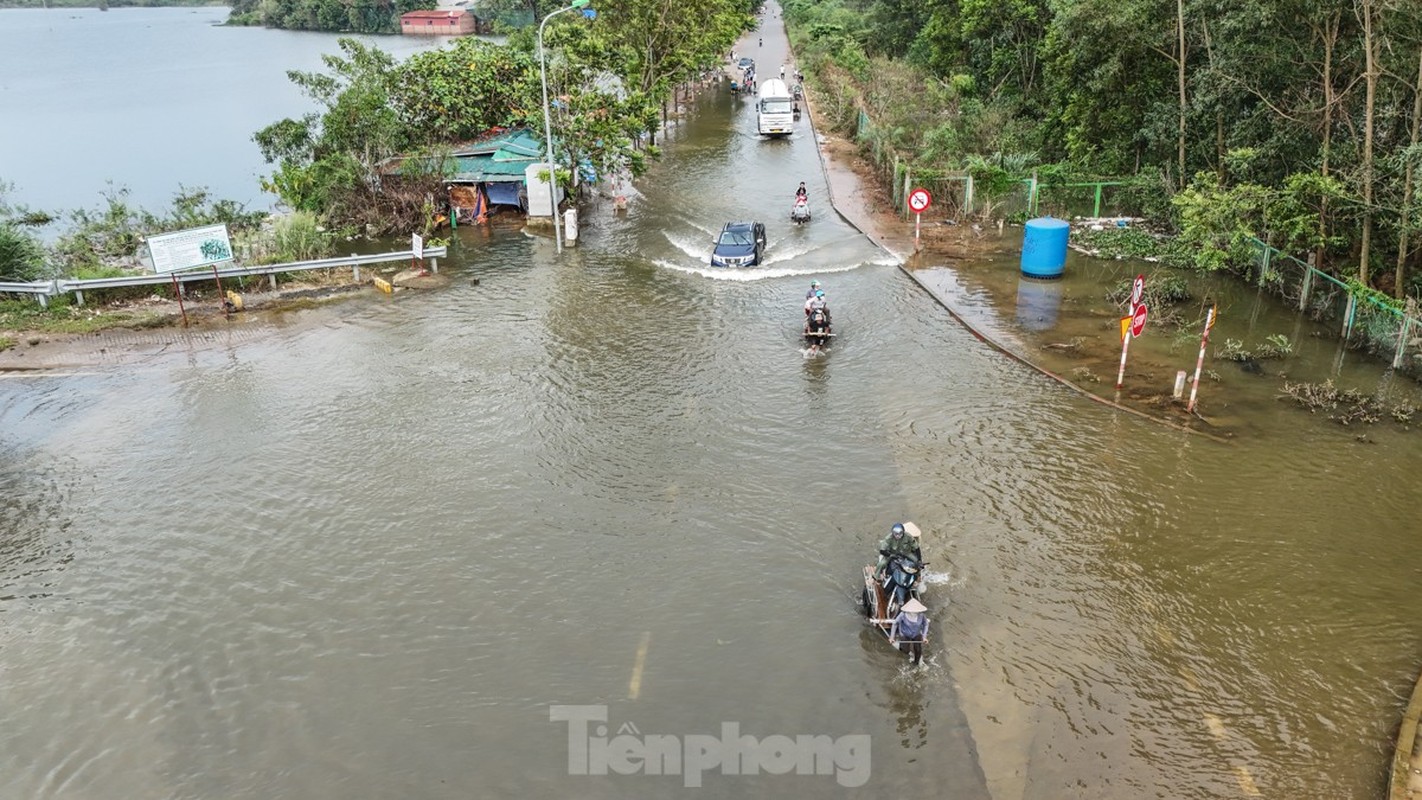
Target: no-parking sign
(919, 200)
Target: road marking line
(634, 687)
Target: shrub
(298, 236)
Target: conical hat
(915, 607)
(912, 530)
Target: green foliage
(104, 241)
(1367, 294)
(1162, 290)
(22, 257)
(606, 80)
(652, 46)
(329, 163)
(1120, 243)
(1217, 222)
(1273, 347)
(458, 93)
(1294, 213)
(353, 16)
(298, 236)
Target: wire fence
(1364, 320)
(957, 195)
(951, 190)
(1105, 198)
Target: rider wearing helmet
(901, 541)
(817, 302)
(802, 191)
(814, 287)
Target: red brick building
(444, 22)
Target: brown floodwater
(365, 550)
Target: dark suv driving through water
(741, 244)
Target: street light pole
(547, 122)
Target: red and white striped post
(1125, 345)
(1130, 328)
(1200, 362)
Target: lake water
(149, 99)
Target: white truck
(775, 109)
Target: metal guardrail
(43, 290)
(37, 287)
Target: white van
(775, 109)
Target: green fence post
(1348, 313)
(1401, 342)
(908, 186)
(1307, 285)
(1264, 268)
(1096, 209)
(1407, 313)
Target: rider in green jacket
(901, 541)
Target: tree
(656, 44)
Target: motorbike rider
(814, 287)
(818, 303)
(911, 628)
(816, 324)
(901, 541)
(802, 191)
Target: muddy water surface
(363, 551)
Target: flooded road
(367, 550)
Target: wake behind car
(741, 244)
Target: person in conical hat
(910, 628)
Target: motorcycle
(817, 329)
(800, 212)
(902, 575)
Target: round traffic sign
(1137, 290)
(1138, 318)
(919, 200)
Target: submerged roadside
(865, 203)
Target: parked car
(741, 244)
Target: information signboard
(195, 247)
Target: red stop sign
(1138, 320)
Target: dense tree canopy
(607, 79)
(353, 16)
(1305, 104)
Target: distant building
(443, 22)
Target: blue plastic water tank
(1044, 247)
